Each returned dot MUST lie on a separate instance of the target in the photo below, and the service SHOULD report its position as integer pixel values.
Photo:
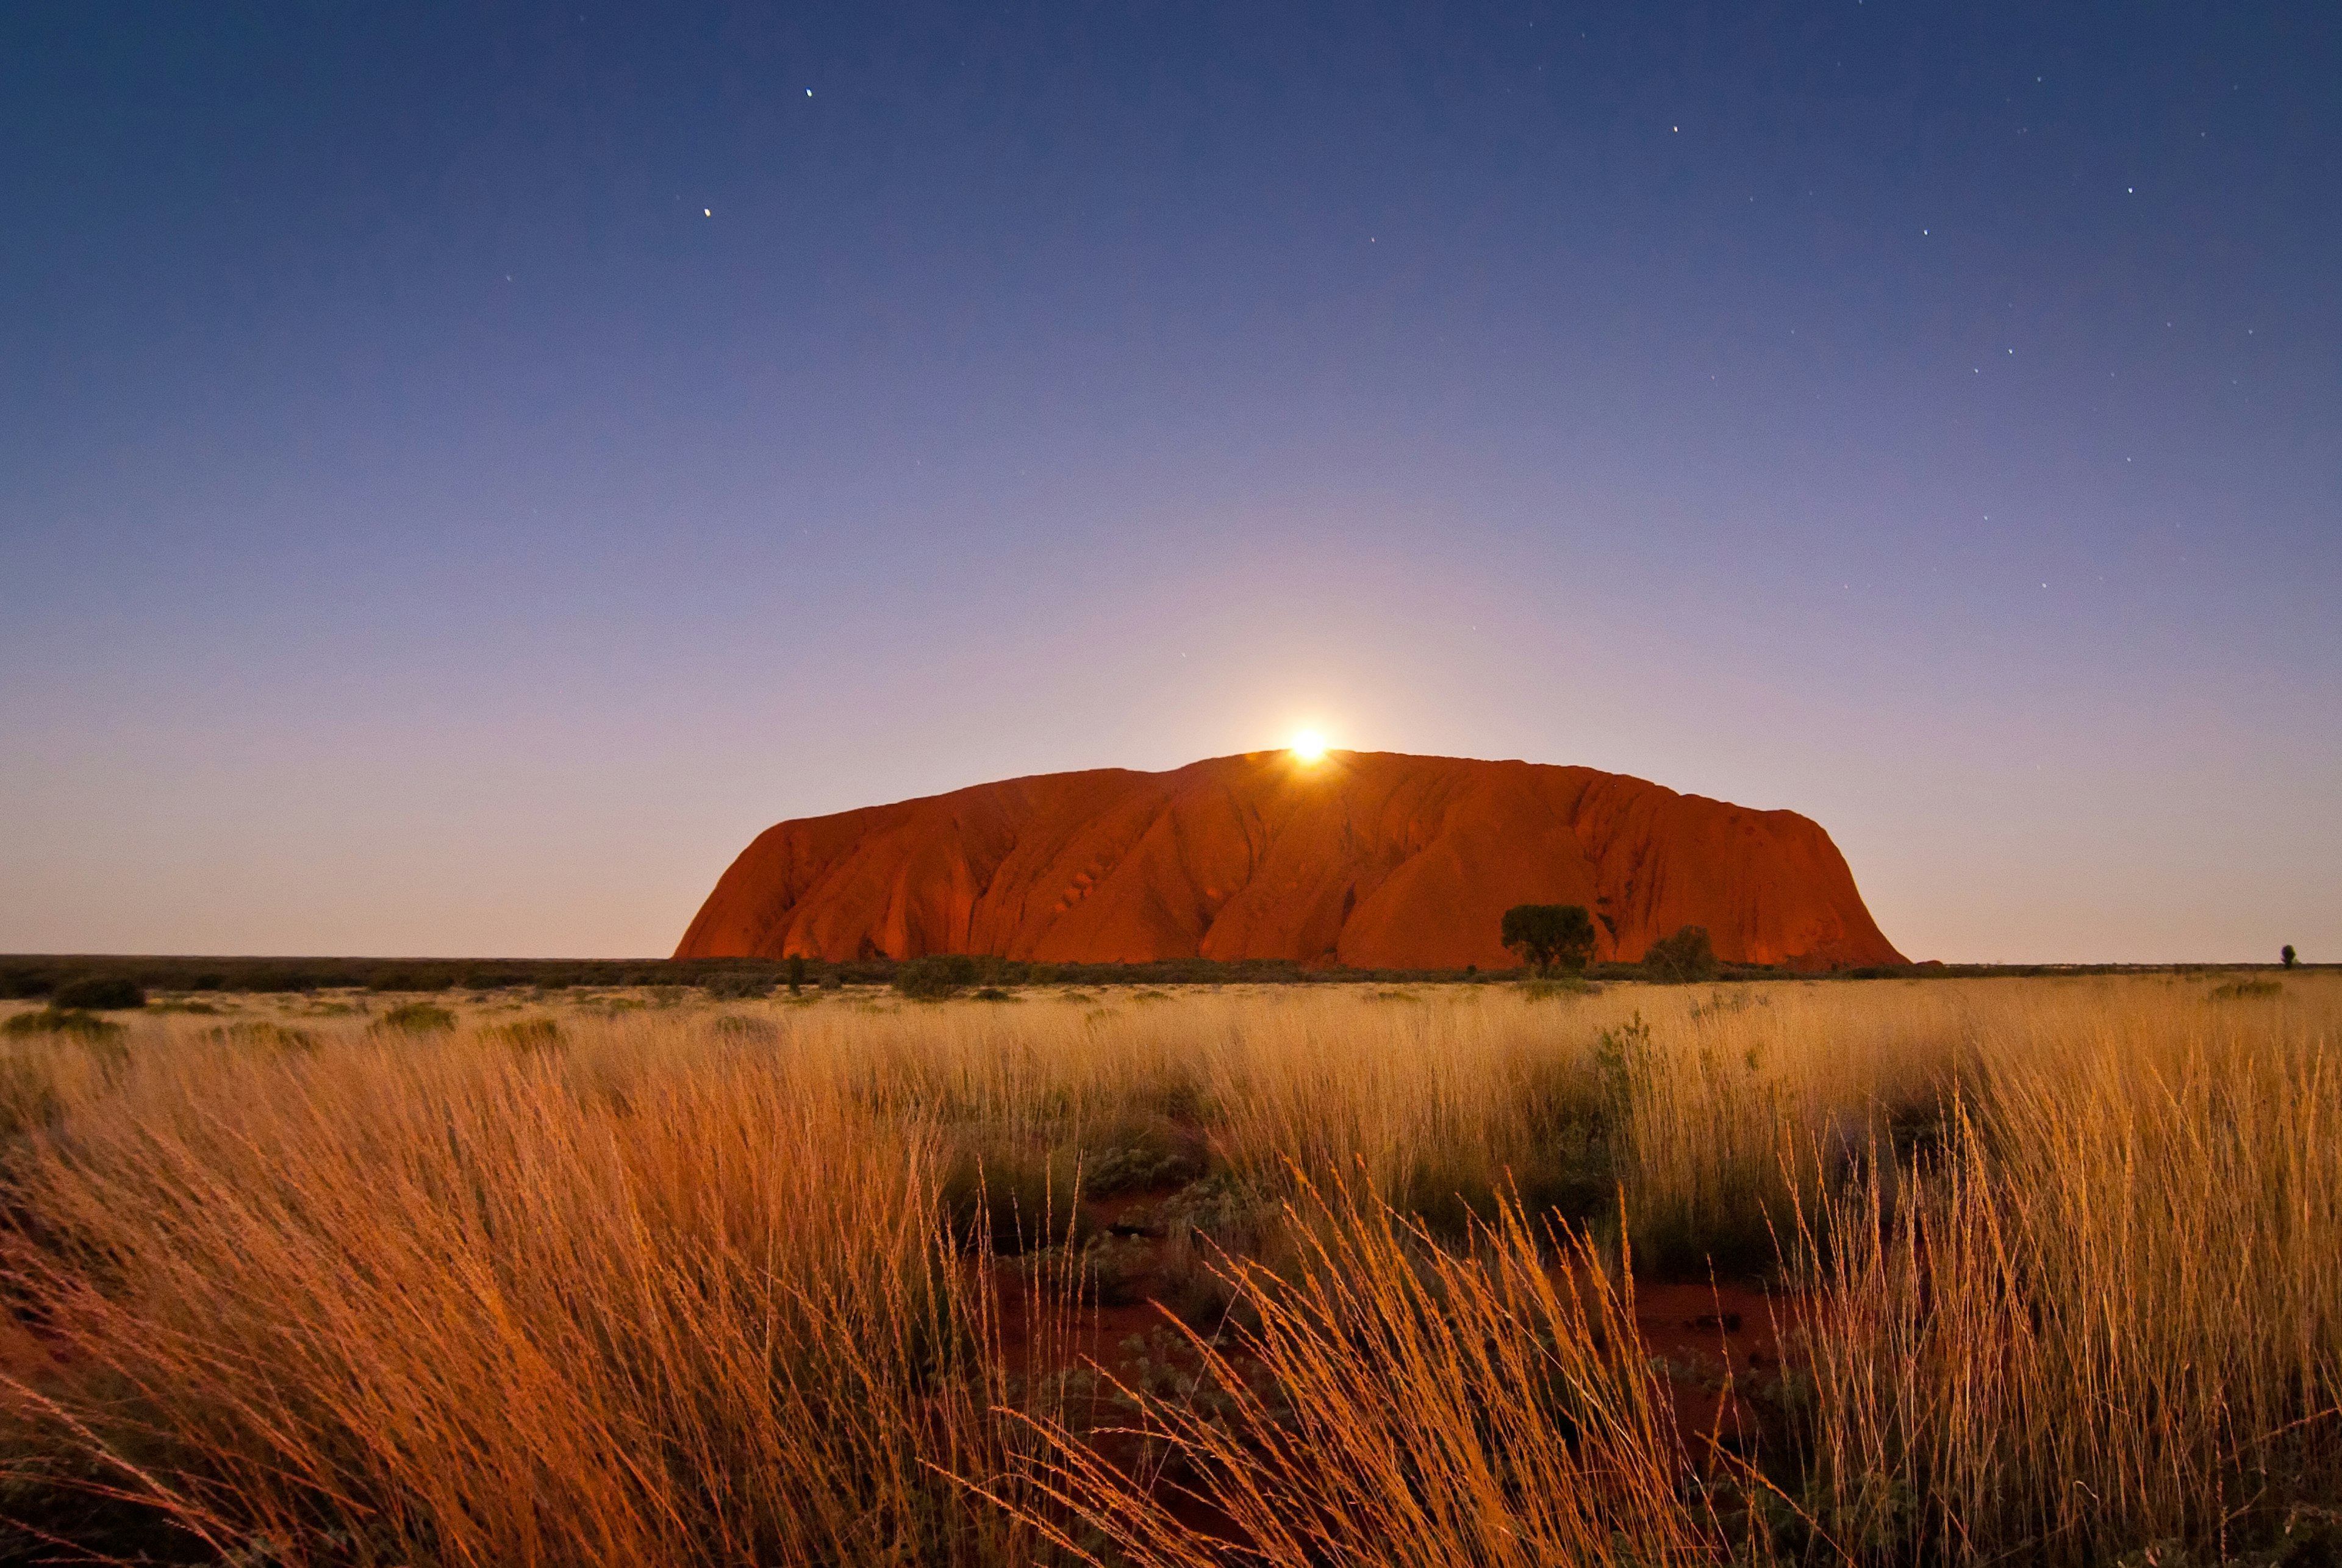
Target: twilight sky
(464, 471)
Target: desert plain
(2033, 1269)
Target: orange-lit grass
(662, 1291)
(459, 1304)
(2112, 1318)
(1394, 1402)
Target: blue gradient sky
(463, 472)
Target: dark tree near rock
(1684, 958)
(935, 976)
(1549, 936)
(2287, 956)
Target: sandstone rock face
(1367, 859)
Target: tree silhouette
(1549, 936)
(2287, 956)
(1683, 957)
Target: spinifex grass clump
(66, 1020)
(418, 1018)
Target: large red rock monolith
(1367, 859)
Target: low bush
(414, 977)
(262, 1033)
(1140, 1153)
(743, 985)
(1687, 958)
(1566, 986)
(99, 993)
(935, 976)
(66, 1021)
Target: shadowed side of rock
(1369, 859)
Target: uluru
(1371, 860)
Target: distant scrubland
(1969, 1271)
(37, 976)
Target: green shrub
(741, 985)
(1687, 958)
(99, 993)
(67, 1020)
(935, 976)
(1138, 1153)
(418, 1018)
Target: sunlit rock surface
(1368, 859)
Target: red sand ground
(1714, 1341)
(1367, 859)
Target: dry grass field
(1974, 1272)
